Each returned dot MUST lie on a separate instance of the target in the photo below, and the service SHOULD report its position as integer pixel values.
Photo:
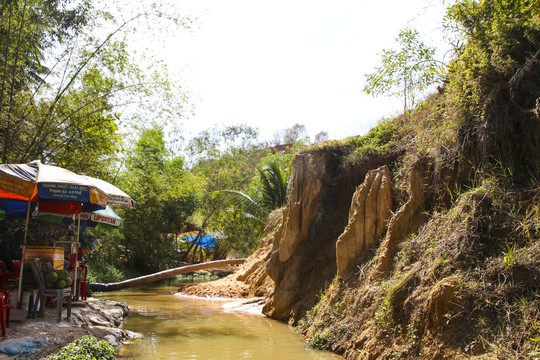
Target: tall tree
(291, 134)
(63, 83)
(405, 72)
(28, 28)
(165, 200)
(321, 136)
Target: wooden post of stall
(77, 285)
(19, 290)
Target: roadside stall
(78, 242)
(26, 188)
(50, 189)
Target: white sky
(271, 64)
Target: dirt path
(227, 287)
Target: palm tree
(272, 190)
(273, 186)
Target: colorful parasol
(55, 189)
(106, 218)
(116, 197)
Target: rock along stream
(178, 327)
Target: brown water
(177, 327)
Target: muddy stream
(179, 327)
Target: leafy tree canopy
(65, 75)
(165, 200)
(290, 135)
(405, 72)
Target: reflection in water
(177, 327)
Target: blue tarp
(23, 347)
(205, 241)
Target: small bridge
(146, 279)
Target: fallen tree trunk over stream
(163, 275)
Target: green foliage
(165, 200)
(242, 215)
(500, 35)
(61, 85)
(27, 29)
(83, 127)
(405, 72)
(494, 83)
(246, 215)
(86, 348)
(103, 269)
(224, 164)
(273, 186)
(243, 231)
(216, 143)
(320, 341)
(381, 140)
(250, 207)
(27, 32)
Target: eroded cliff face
(303, 259)
(303, 256)
(405, 221)
(368, 215)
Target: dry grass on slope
(465, 286)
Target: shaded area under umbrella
(53, 188)
(106, 218)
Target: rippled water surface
(177, 327)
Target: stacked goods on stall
(46, 254)
(57, 279)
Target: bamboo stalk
(163, 275)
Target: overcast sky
(271, 64)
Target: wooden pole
(163, 275)
(76, 286)
(19, 290)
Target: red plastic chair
(4, 307)
(4, 277)
(4, 270)
(16, 270)
(84, 271)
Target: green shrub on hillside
(381, 140)
(493, 87)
